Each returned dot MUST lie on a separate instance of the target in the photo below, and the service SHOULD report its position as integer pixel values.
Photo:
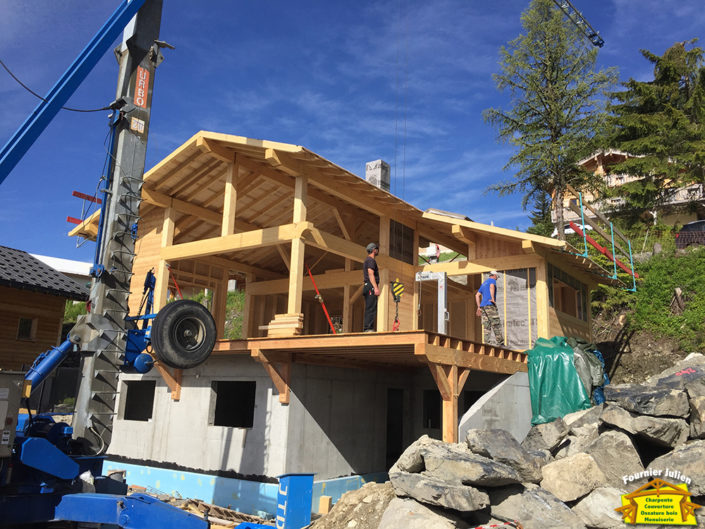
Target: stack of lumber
(284, 325)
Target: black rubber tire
(183, 334)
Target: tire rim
(189, 333)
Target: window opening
(26, 328)
(234, 403)
(139, 400)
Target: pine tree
(557, 105)
(541, 216)
(661, 123)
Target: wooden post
(247, 309)
(347, 309)
(542, 308)
(383, 301)
(416, 286)
(161, 287)
(220, 299)
(230, 199)
(450, 380)
(298, 248)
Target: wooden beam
(230, 199)
(542, 300)
(278, 371)
(384, 298)
(341, 224)
(298, 248)
(324, 281)
(284, 255)
(236, 242)
(211, 148)
(282, 162)
(347, 306)
(270, 173)
(220, 299)
(416, 286)
(161, 287)
(528, 247)
(231, 265)
(247, 309)
(173, 382)
(494, 230)
(479, 266)
(473, 360)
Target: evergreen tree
(541, 216)
(661, 123)
(556, 105)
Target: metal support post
(138, 56)
(443, 315)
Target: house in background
(32, 301)
(680, 205)
(291, 396)
(79, 271)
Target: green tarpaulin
(554, 384)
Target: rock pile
(569, 473)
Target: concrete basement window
(233, 403)
(431, 409)
(139, 400)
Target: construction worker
(486, 299)
(370, 288)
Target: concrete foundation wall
(506, 406)
(179, 433)
(338, 420)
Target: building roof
(19, 269)
(191, 181)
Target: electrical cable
(35, 94)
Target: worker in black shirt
(370, 287)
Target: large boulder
(663, 431)
(696, 399)
(597, 509)
(579, 439)
(411, 459)
(647, 400)
(616, 456)
(437, 492)
(545, 436)
(572, 477)
(500, 445)
(581, 418)
(687, 370)
(689, 460)
(453, 463)
(533, 507)
(405, 513)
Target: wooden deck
(449, 359)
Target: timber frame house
(224, 207)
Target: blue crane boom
(34, 125)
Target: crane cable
(35, 94)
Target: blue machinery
(51, 471)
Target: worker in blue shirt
(486, 299)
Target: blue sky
(402, 80)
